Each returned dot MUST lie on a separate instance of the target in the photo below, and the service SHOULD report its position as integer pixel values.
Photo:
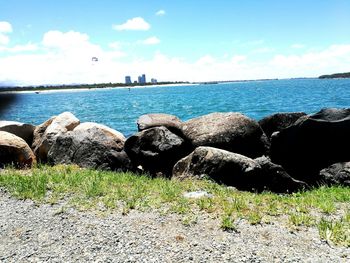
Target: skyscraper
(127, 80)
(142, 79)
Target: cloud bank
(66, 57)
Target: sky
(53, 42)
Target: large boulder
(279, 121)
(336, 174)
(14, 150)
(171, 122)
(53, 127)
(312, 143)
(22, 130)
(156, 149)
(220, 165)
(229, 131)
(91, 145)
(274, 178)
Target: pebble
(35, 233)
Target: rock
(312, 143)
(279, 121)
(54, 127)
(336, 174)
(229, 131)
(156, 149)
(197, 194)
(39, 132)
(274, 178)
(171, 122)
(89, 125)
(220, 165)
(91, 146)
(14, 150)
(22, 130)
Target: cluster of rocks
(284, 152)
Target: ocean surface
(119, 108)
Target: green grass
(91, 189)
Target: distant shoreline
(78, 88)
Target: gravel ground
(48, 233)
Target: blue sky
(49, 42)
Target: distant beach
(54, 90)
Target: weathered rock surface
(314, 142)
(22, 130)
(39, 132)
(52, 128)
(336, 174)
(171, 122)
(222, 166)
(279, 121)
(229, 131)
(119, 137)
(274, 178)
(156, 149)
(91, 146)
(14, 150)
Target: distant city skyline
(65, 42)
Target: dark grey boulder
(279, 121)
(220, 165)
(274, 178)
(336, 174)
(312, 143)
(92, 147)
(229, 131)
(171, 122)
(156, 149)
(22, 130)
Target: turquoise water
(120, 108)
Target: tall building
(127, 80)
(154, 81)
(142, 79)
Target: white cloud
(136, 23)
(5, 28)
(160, 13)
(151, 41)
(20, 48)
(205, 60)
(66, 57)
(335, 58)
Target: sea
(119, 108)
